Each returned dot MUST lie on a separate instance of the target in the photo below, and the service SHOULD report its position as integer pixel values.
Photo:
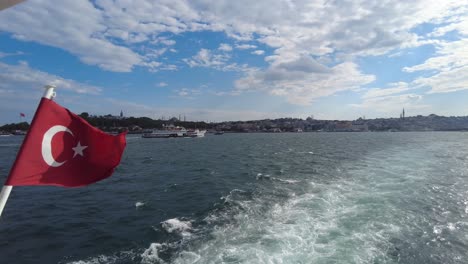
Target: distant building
(342, 126)
(109, 116)
(360, 127)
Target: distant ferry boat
(5, 134)
(174, 132)
(19, 132)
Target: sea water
(253, 198)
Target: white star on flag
(78, 149)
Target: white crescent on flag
(47, 145)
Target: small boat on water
(19, 132)
(219, 133)
(195, 133)
(5, 134)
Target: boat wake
(364, 211)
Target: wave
(150, 255)
(306, 228)
(261, 176)
(354, 213)
(120, 257)
(177, 226)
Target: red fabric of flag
(63, 149)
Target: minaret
(121, 113)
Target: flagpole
(49, 93)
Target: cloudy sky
(236, 60)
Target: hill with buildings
(431, 122)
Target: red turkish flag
(63, 149)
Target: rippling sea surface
(253, 198)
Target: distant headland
(136, 125)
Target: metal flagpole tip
(49, 92)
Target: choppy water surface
(254, 198)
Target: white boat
(195, 133)
(172, 131)
(165, 133)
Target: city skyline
(232, 61)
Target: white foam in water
(189, 257)
(97, 260)
(287, 180)
(261, 176)
(306, 229)
(102, 259)
(437, 229)
(175, 225)
(356, 215)
(357, 212)
(150, 256)
(342, 221)
(451, 226)
(139, 204)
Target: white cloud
(450, 55)
(225, 47)
(390, 101)
(304, 80)
(168, 42)
(119, 35)
(94, 32)
(245, 46)
(21, 88)
(151, 65)
(393, 104)
(318, 28)
(395, 88)
(62, 25)
(154, 53)
(258, 52)
(169, 67)
(4, 54)
(205, 58)
(188, 93)
(24, 78)
(457, 23)
(212, 59)
(162, 84)
(447, 69)
(183, 93)
(445, 81)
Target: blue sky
(231, 60)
